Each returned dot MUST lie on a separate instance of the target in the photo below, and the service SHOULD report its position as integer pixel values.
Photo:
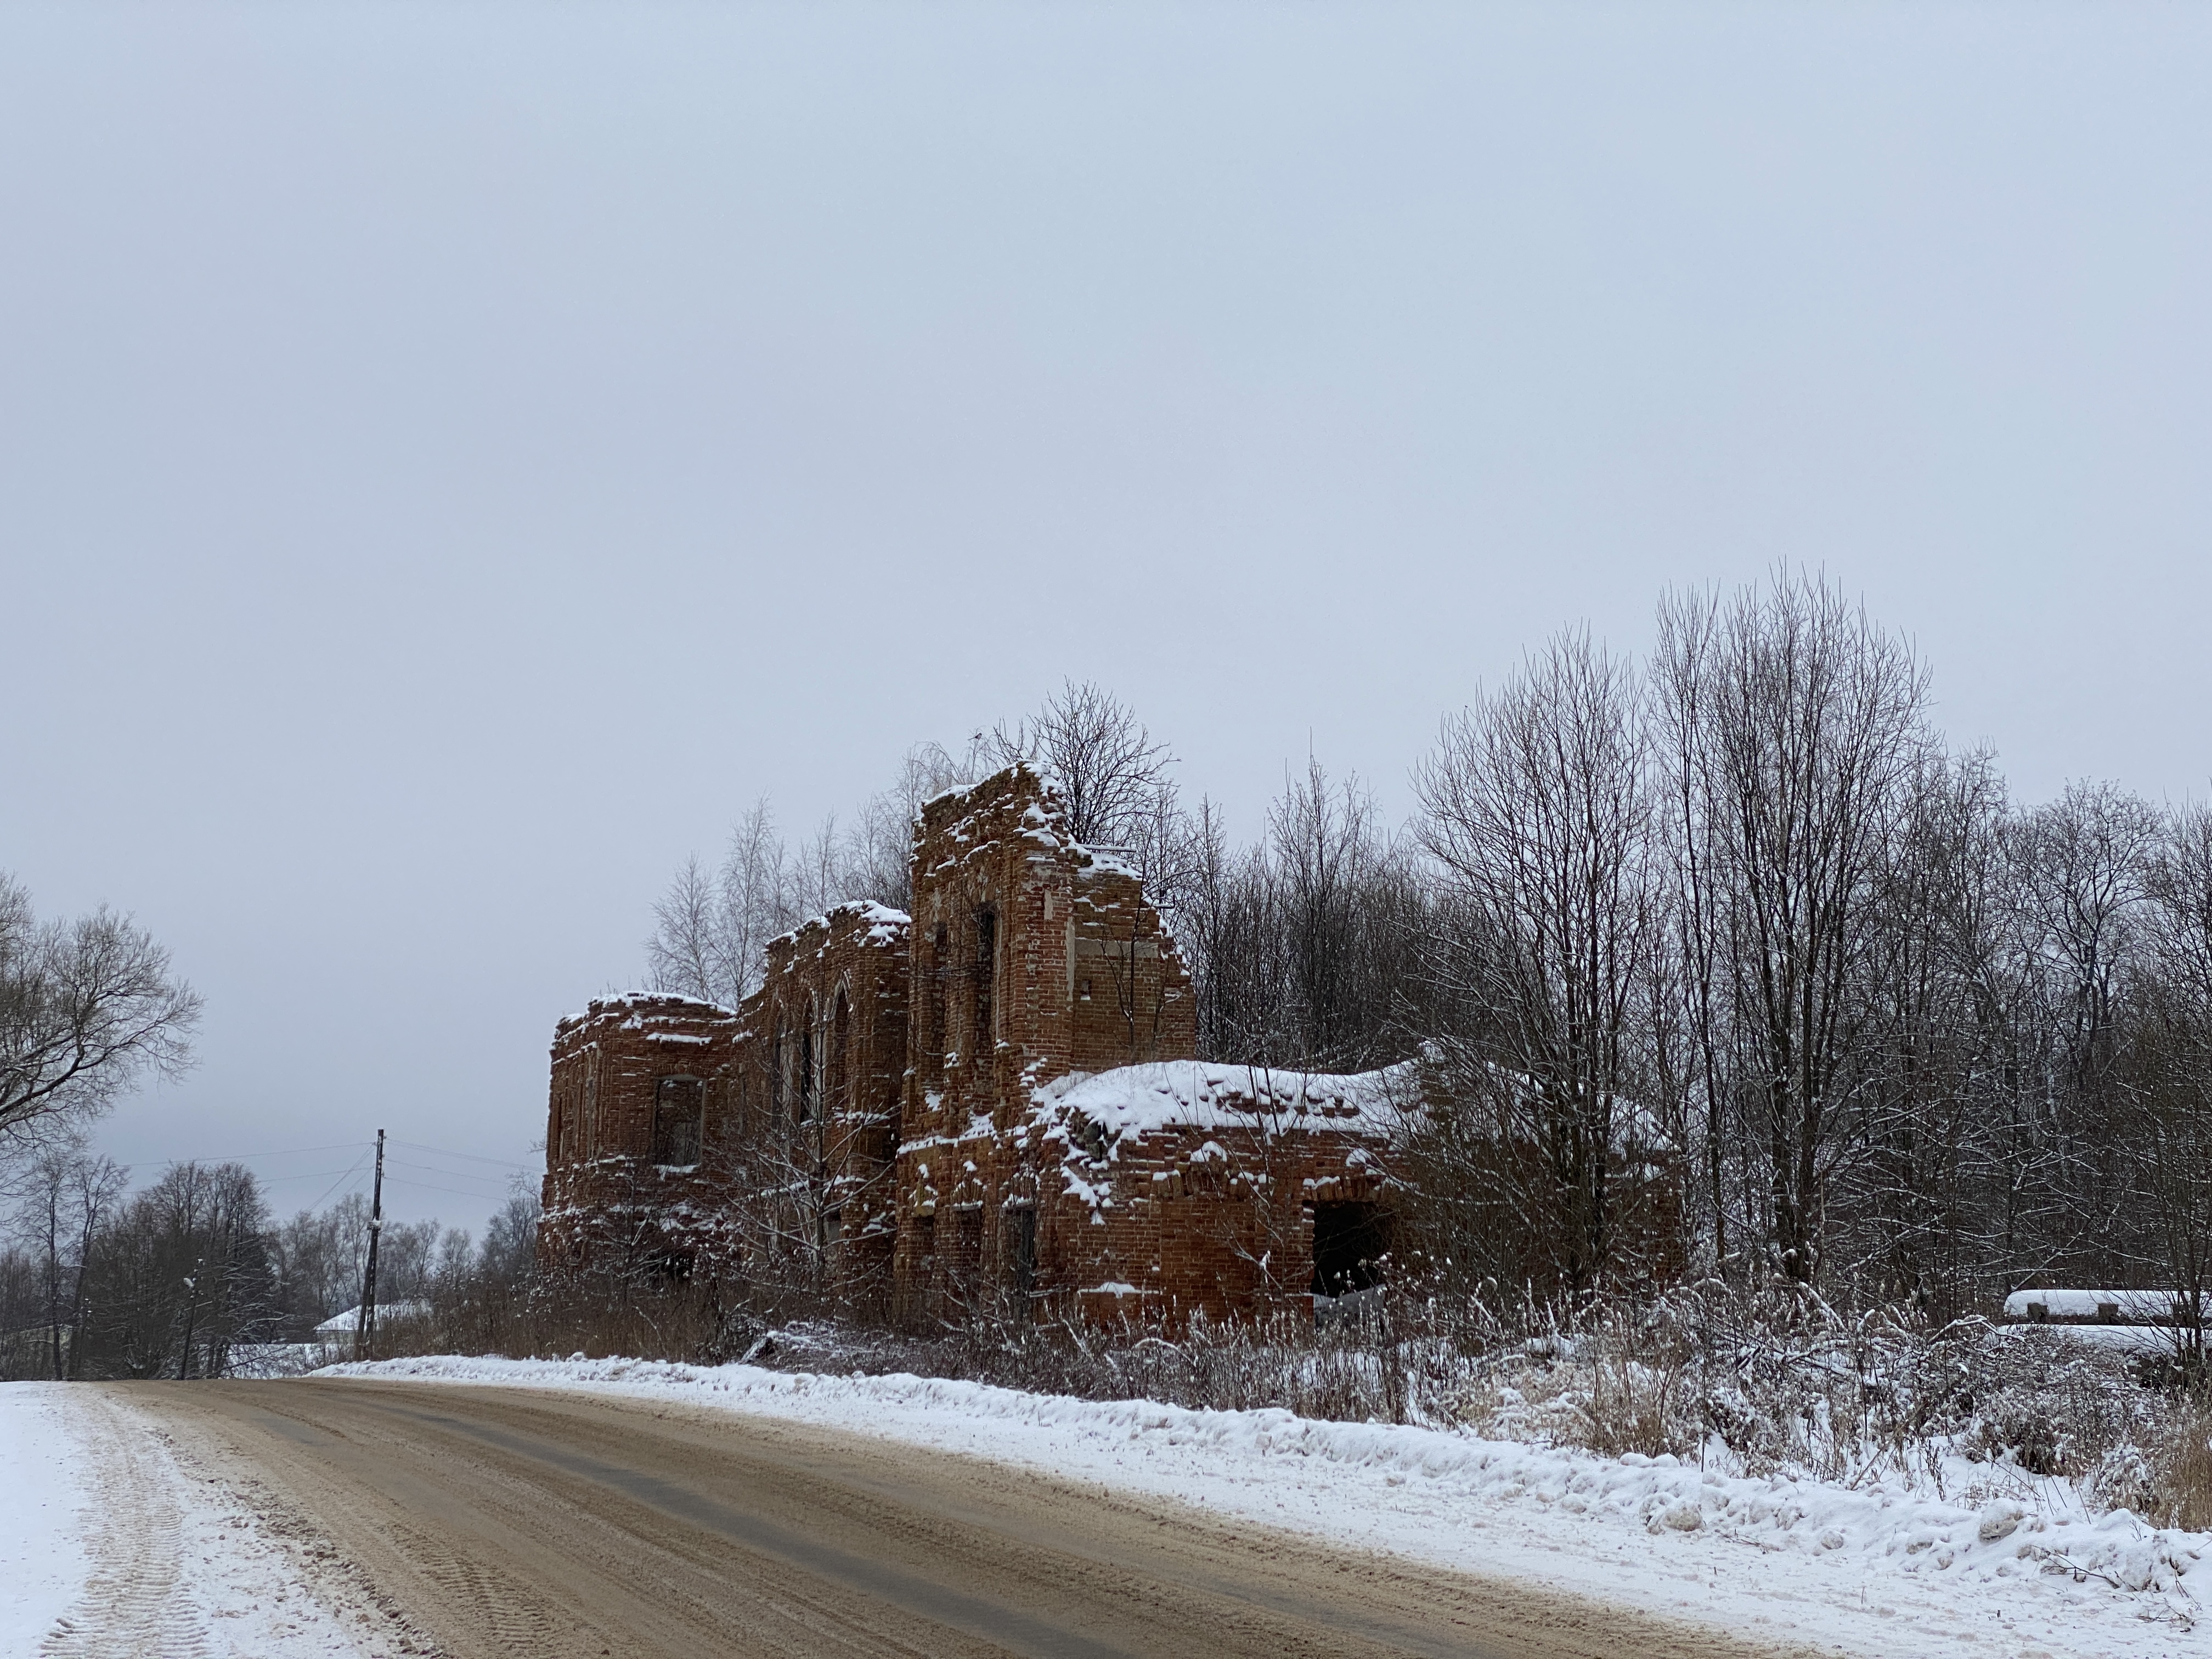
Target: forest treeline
(188, 1276)
(1720, 964)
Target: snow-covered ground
(43, 1562)
(1876, 1571)
(114, 1543)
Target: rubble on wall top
(885, 924)
(676, 1007)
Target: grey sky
(452, 457)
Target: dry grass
(1769, 1380)
(2183, 1467)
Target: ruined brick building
(993, 1101)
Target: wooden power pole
(364, 1329)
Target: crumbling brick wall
(639, 1135)
(1033, 957)
(889, 1118)
(1195, 1189)
(821, 1063)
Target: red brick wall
(904, 1181)
(604, 1197)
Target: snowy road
(559, 1523)
(478, 1506)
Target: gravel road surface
(492, 1522)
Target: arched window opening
(805, 1078)
(987, 976)
(841, 1045)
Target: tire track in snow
(131, 1606)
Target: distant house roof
(346, 1323)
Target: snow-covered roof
(346, 1323)
(1206, 1095)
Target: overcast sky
(453, 458)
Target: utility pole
(364, 1330)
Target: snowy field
(1871, 1571)
(114, 1544)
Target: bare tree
(1110, 773)
(87, 1008)
(63, 1200)
(878, 848)
(2084, 861)
(1795, 723)
(1537, 807)
(2165, 1071)
(1344, 912)
(710, 930)
(684, 955)
(181, 1275)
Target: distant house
(2093, 1307)
(334, 1337)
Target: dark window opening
(775, 1080)
(1021, 1227)
(806, 1080)
(967, 1249)
(678, 1103)
(925, 1246)
(1351, 1244)
(987, 975)
(940, 950)
(840, 1044)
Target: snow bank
(1877, 1570)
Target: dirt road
(511, 1523)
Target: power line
(458, 1175)
(244, 1157)
(446, 1151)
(429, 1186)
(333, 1186)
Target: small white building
(334, 1335)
